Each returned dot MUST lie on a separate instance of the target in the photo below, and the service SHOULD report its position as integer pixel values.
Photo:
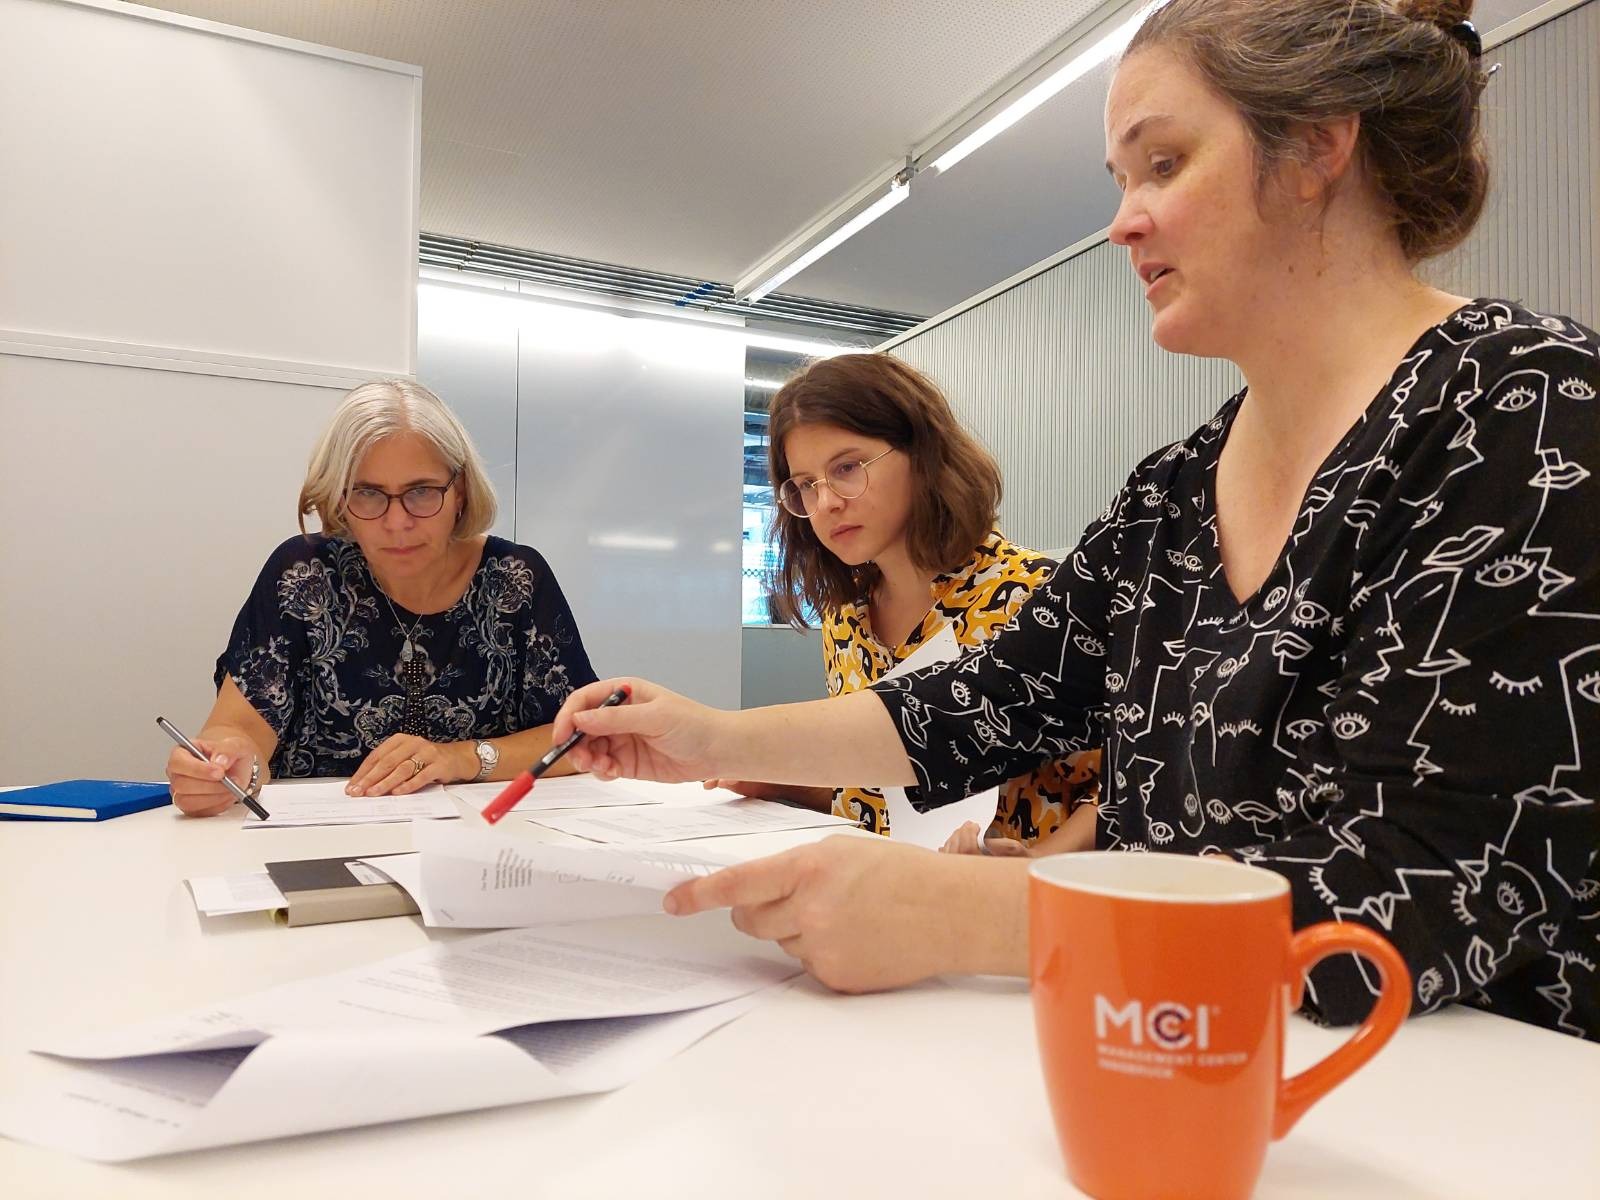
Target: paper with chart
(934, 827)
(563, 791)
(671, 823)
(468, 875)
(325, 803)
(436, 1030)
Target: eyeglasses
(846, 480)
(424, 500)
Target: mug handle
(1309, 947)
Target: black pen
(173, 732)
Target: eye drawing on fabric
(1515, 687)
(1576, 389)
(1308, 614)
(1503, 572)
(1457, 710)
(1429, 984)
(1589, 688)
(1302, 729)
(1516, 399)
(1349, 725)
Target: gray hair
(378, 410)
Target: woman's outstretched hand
(656, 734)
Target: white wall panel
(142, 504)
(207, 234)
(175, 184)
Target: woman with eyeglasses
(403, 645)
(886, 528)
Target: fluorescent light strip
(897, 192)
(762, 385)
(632, 541)
(1074, 69)
(469, 308)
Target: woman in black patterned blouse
(403, 645)
(1348, 630)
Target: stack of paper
(675, 824)
(325, 802)
(471, 876)
(403, 1038)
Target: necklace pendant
(406, 652)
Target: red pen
(523, 783)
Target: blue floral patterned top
(318, 652)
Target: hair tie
(1466, 33)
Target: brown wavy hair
(1286, 64)
(956, 481)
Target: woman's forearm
(518, 752)
(847, 741)
(983, 902)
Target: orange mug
(1161, 984)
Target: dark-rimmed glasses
(846, 480)
(423, 501)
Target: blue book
(81, 800)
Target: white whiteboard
(177, 185)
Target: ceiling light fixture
(899, 189)
(1069, 72)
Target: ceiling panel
(694, 136)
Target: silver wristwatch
(488, 760)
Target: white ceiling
(694, 136)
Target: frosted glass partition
(467, 353)
(628, 432)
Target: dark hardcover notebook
(81, 800)
(320, 890)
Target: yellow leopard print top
(977, 600)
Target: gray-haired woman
(402, 645)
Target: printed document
(640, 826)
(467, 875)
(325, 803)
(564, 791)
(441, 1029)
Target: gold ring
(416, 766)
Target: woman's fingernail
(670, 904)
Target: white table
(932, 1091)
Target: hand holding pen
(192, 772)
(523, 783)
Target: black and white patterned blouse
(1404, 720)
(318, 651)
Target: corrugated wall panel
(1059, 376)
(1539, 240)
